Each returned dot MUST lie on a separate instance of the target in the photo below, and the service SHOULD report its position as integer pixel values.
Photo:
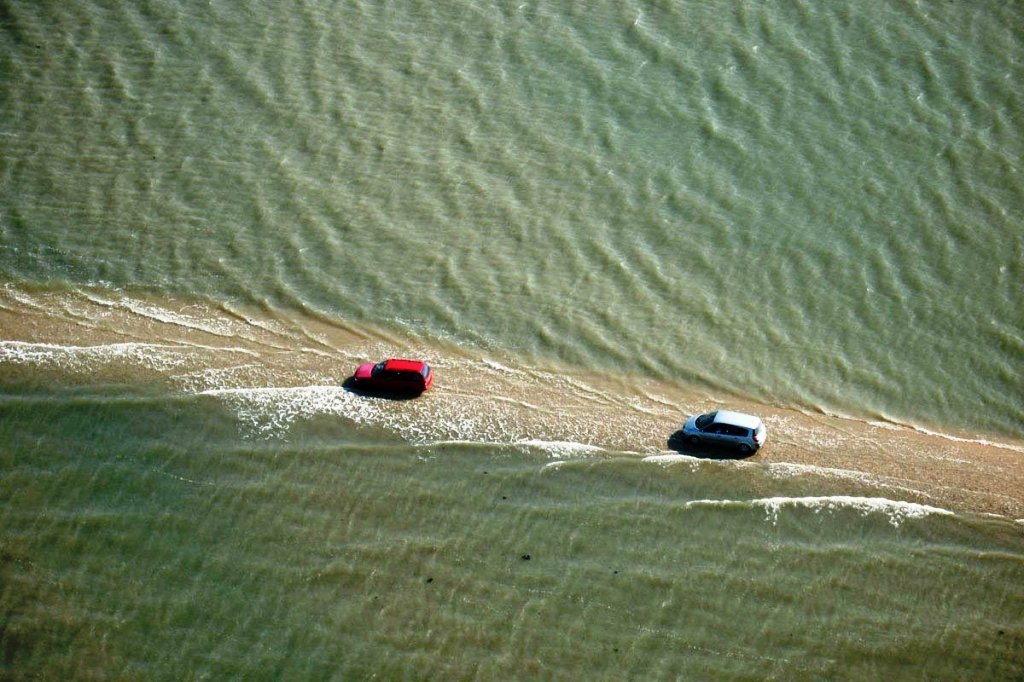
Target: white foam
(455, 441)
(974, 441)
(210, 378)
(897, 511)
(204, 324)
(271, 326)
(674, 458)
(497, 366)
(219, 349)
(670, 458)
(157, 356)
(561, 448)
(897, 426)
(317, 352)
(21, 297)
(667, 458)
(789, 470)
(269, 412)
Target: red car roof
(399, 365)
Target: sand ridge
(276, 367)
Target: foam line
(560, 448)
(896, 425)
(152, 312)
(898, 511)
(30, 352)
(27, 352)
(669, 458)
(973, 441)
(788, 469)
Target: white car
(744, 432)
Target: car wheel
(693, 440)
(745, 449)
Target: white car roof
(747, 421)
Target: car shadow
(350, 386)
(678, 443)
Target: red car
(394, 376)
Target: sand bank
(277, 367)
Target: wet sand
(275, 368)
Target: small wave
(268, 325)
(271, 411)
(785, 469)
(21, 297)
(673, 458)
(668, 458)
(896, 510)
(792, 470)
(212, 378)
(974, 441)
(210, 325)
(160, 356)
(498, 367)
(457, 442)
(561, 448)
(899, 426)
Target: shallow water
(143, 538)
(213, 502)
(812, 207)
(592, 223)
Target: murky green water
(799, 206)
(143, 539)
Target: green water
(161, 547)
(791, 205)
(814, 207)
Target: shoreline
(81, 339)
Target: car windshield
(379, 367)
(425, 371)
(705, 419)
